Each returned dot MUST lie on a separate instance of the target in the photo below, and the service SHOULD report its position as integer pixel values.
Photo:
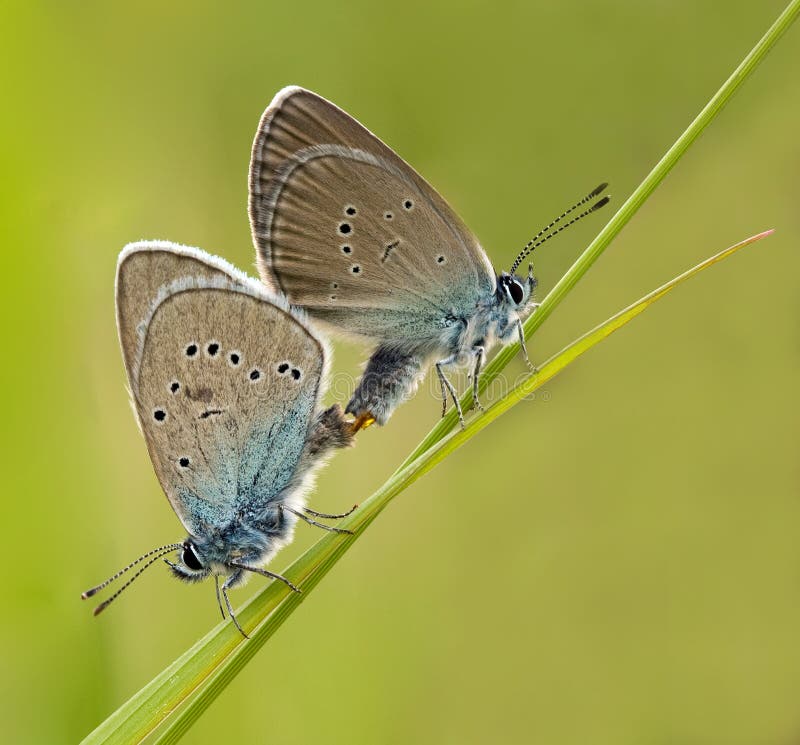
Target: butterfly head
(515, 292)
(192, 565)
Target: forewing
(226, 388)
(345, 226)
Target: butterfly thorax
(494, 317)
(464, 334)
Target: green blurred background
(614, 562)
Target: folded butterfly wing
(225, 381)
(351, 232)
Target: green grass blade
(190, 684)
(619, 220)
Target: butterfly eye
(189, 557)
(515, 288)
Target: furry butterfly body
(359, 240)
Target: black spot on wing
(389, 248)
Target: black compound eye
(189, 557)
(515, 288)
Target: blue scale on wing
(242, 477)
(270, 457)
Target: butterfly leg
(330, 517)
(521, 334)
(307, 519)
(262, 572)
(219, 600)
(480, 356)
(442, 382)
(232, 579)
(448, 386)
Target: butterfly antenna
(537, 240)
(153, 555)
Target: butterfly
(225, 381)
(358, 239)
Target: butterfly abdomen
(391, 377)
(329, 431)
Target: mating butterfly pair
(226, 374)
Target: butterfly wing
(351, 232)
(225, 380)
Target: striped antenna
(153, 555)
(537, 240)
